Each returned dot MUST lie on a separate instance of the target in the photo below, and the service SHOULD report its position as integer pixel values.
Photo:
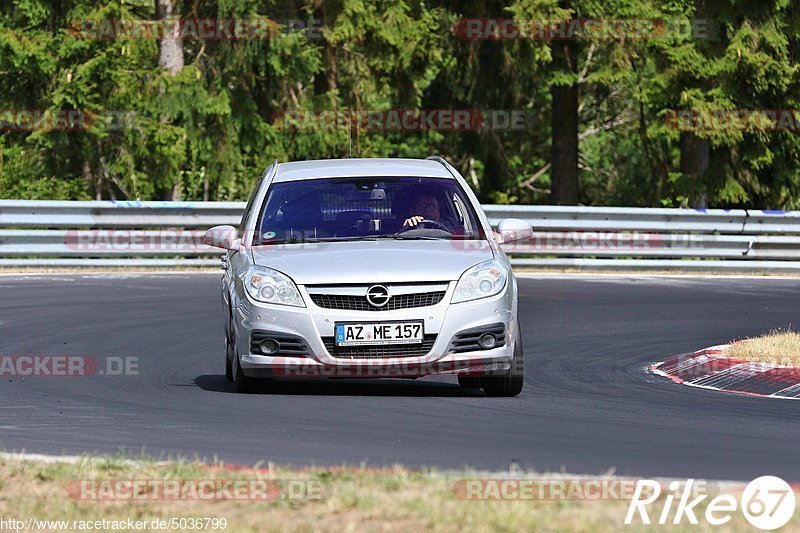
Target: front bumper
(312, 323)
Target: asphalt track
(589, 406)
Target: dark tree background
(196, 119)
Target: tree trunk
(325, 81)
(695, 156)
(564, 170)
(177, 190)
(93, 182)
(496, 173)
(170, 56)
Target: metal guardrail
(168, 234)
(109, 214)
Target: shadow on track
(343, 387)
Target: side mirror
(513, 229)
(225, 237)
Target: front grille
(360, 303)
(467, 340)
(380, 351)
(290, 345)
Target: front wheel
(510, 383)
(229, 355)
(240, 381)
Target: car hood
(373, 261)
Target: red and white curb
(712, 369)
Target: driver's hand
(413, 221)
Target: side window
(461, 208)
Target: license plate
(363, 334)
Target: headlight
(270, 286)
(481, 281)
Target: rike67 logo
(767, 502)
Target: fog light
(487, 341)
(269, 346)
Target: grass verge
(324, 499)
(776, 346)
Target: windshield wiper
(419, 238)
(451, 237)
(311, 240)
(403, 237)
(349, 238)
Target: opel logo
(378, 295)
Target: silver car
(369, 268)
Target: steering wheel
(430, 223)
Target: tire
(469, 382)
(242, 383)
(509, 384)
(228, 358)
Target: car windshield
(366, 208)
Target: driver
(426, 207)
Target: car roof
(357, 168)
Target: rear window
(363, 208)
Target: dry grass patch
(777, 346)
(393, 499)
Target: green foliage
(209, 131)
